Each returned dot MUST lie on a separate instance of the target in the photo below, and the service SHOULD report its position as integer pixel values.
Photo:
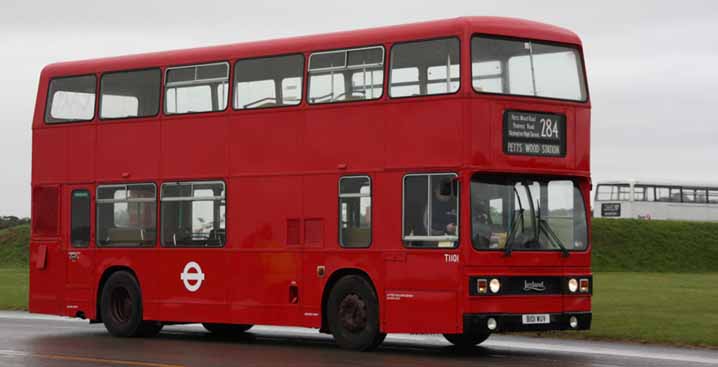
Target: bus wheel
(466, 340)
(353, 314)
(226, 329)
(121, 306)
(150, 328)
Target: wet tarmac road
(28, 340)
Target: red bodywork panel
(281, 168)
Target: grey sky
(651, 65)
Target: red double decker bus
(422, 178)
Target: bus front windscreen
(515, 213)
(527, 68)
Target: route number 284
(549, 128)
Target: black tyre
(465, 341)
(353, 314)
(226, 329)
(150, 329)
(121, 307)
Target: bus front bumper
(480, 323)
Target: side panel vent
(314, 232)
(293, 232)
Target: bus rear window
(71, 99)
(526, 68)
(45, 211)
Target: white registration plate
(536, 319)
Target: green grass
(13, 288)
(654, 246)
(666, 308)
(14, 246)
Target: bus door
(79, 252)
(422, 278)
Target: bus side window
(268, 82)
(126, 215)
(127, 94)
(80, 219)
(713, 196)
(424, 68)
(71, 99)
(197, 88)
(346, 75)
(663, 194)
(355, 211)
(431, 217)
(193, 214)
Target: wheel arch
(101, 284)
(329, 285)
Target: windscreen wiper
(518, 216)
(544, 226)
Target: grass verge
(654, 246)
(13, 288)
(665, 308)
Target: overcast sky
(652, 66)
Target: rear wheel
(121, 307)
(226, 329)
(353, 314)
(466, 340)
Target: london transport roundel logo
(192, 276)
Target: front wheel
(465, 340)
(353, 314)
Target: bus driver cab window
(431, 210)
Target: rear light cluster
(581, 285)
(484, 286)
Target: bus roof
(510, 27)
(660, 183)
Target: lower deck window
(355, 211)
(80, 219)
(193, 214)
(126, 215)
(431, 210)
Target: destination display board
(611, 209)
(534, 133)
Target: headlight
(584, 288)
(572, 285)
(495, 285)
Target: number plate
(536, 319)
(533, 133)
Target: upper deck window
(197, 88)
(346, 75)
(71, 99)
(425, 68)
(526, 68)
(268, 82)
(129, 94)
